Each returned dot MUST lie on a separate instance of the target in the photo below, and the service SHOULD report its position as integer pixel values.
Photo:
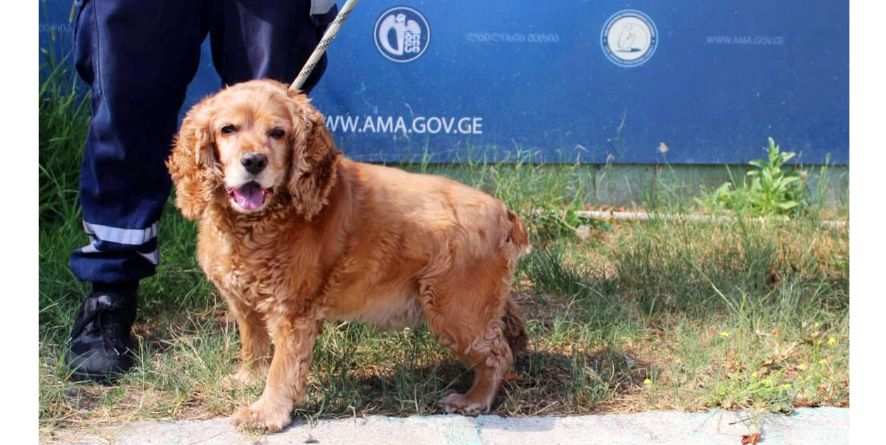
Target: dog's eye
(228, 129)
(277, 133)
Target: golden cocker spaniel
(293, 233)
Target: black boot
(101, 345)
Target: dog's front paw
(461, 404)
(263, 416)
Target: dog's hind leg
(465, 309)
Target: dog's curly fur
(340, 240)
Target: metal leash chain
(328, 36)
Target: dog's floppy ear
(314, 157)
(192, 163)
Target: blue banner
(635, 82)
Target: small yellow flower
(823, 362)
(647, 382)
(724, 334)
(802, 366)
(785, 387)
(832, 341)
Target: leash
(328, 36)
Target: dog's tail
(513, 319)
(517, 237)
(515, 246)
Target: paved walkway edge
(804, 426)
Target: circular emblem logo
(629, 38)
(402, 34)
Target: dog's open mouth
(249, 196)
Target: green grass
(657, 315)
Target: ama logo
(402, 34)
(629, 38)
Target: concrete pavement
(805, 426)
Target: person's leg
(256, 39)
(138, 58)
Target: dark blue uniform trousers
(138, 57)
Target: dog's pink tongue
(249, 196)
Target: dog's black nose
(254, 163)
